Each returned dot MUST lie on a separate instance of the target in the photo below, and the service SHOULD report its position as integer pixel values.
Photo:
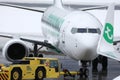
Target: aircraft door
(64, 32)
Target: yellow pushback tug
(33, 68)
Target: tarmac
(72, 65)
(112, 72)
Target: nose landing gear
(84, 71)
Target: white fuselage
(75, 33)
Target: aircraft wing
(21, 7)
(39, 40)
(93, 8)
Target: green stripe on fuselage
(52, 32)
(55, 21)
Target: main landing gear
(84, 72)
(102, 60)
(36, 49)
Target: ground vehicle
(31, 68)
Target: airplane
(72, 32)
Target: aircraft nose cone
(90, 43)
(87, 51)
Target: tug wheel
(39, 74)
(16, 74)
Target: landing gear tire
(94, 65)
(100, 59)
(104, 63)
(84, 72)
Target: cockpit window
(92, 30)
(85, 30)
(99, 31)
(74, 30)
(81, 30)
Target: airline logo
(108, 33)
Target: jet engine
(14, 49)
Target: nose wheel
(84, 71)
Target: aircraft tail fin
(58, 3)
(105, 45)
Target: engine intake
(14, 50)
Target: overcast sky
(17, 20)
(64, 1)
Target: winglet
(105, 45)
(110, 14)
(58, 3)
